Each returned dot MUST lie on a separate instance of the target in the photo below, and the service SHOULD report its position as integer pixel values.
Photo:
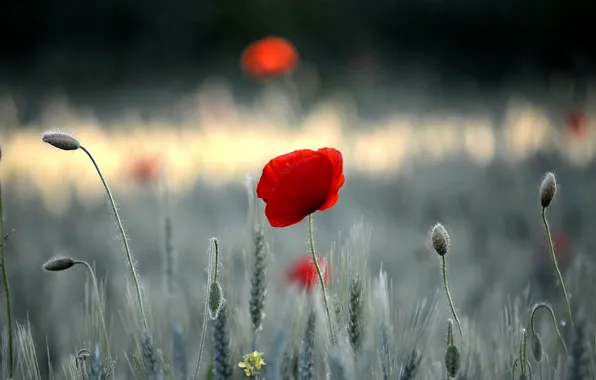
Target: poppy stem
(314, 258)
(552, 314)
(7, 289)
(554, 259)
(449, 297)
(203, 333)
(99, 304)
(124, 239)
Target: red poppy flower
(304, 273)
(299, 183)
(145, 169)
(268, 57)
(576, 124)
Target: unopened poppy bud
(452, 360)
(61, 140)
(537, 349)
(440, 239)
(58, 264)
(216, 299)
(548, 189)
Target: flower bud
(440, 239)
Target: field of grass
(386, 294)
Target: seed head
(58, 264)
(216, 299)
(548, 189)
(452, 360)
(60, 140)
(440, 239)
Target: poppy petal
(269, 56)
(304, 273)
(276, 168)
(338, 179)
(300, 190)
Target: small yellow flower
(252, 361)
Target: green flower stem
(126, 247)
(552, 314)
(203, 333)
(449, 296)
(522, 353)
(554, 259)
(7, 287)
(99, 306)
(314, 257)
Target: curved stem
(126, 247)
(203, 332)
(7, 287)
(554, 259)
(99, 305)
(314, 258)
(449, 297)
(552, 314)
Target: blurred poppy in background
(302, 272)
(269, 57)
(544, 270)
(576, 124)
(296, 184)
(144, 169)
(563, 250)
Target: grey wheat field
(386, 294)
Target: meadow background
(454, 119)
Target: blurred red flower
(269, 57)
(576, 124)
(299, 183)
(303, 272)
(563, 249)
(144, 169)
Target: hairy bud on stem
(548, 189)
(58, 264)
(61, 140)
(440, 239)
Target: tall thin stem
(126, 247)
(449, 296)
(203, 333)
(314, 258)
(554, 259)
(552, 314)
(522, 352)
(99, 305)
(7, 287)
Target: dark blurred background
(93, 47)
